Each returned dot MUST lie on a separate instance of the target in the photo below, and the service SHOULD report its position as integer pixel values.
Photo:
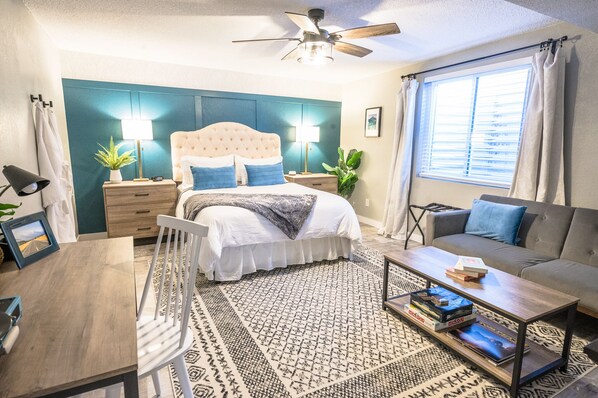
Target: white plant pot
(116, 177)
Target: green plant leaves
(109, 157)
(7, 209)
(345, 171)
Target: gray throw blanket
(287, 212)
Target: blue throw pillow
(213, 177)
(270, 174)
(496, 221)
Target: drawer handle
(142, 194)
(316, 184)
(142, 211)
(144, 229)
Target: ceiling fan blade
(369, 31)
(303, 22)
(278, 39)
(291, 54)
(351, 49)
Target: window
(471, 124)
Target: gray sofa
(558, 246)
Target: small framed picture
(372, 121)
(30, 238)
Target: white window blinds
(471, 125)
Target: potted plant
(345, 171)
(109, 157)
(6, 210)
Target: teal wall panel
(328, 118)
(94, 110)
(214, 110)
(281, 118)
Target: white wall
(29, 64)
(581, 124)
(112, 69)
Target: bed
(240, 241)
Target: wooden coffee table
(517, 299)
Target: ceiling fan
(315, 47)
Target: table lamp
(307, 134)
(22, 181)
(138, 130)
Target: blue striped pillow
(267, 174)
(213, 177)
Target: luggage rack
(430, 207)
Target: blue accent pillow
(268, 174)
(213, 177)
(496, 221)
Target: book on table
(461, 275)
(492, 344)
(441, 304)
(426, 321)
(471, 264)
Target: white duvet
(229, 227)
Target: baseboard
(94, 236)
(369, 221)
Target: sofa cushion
(544, 226)
(581, 244)
(569, 277)
(508, 258)
(496, 221)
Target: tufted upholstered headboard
(221, 139)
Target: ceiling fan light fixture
(315, 53)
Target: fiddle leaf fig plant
(345, 171)
(6, 209)
(109, 157)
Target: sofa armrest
(445, 223)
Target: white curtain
(57, 196)
(397, 193)
(539, 173)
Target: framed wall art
(372, 121)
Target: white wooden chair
(164, 338)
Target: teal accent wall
(94, 110)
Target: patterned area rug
(319, 331)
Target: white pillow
(200, 161)
(240, 163)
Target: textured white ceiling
(199, 32)
(582, 13)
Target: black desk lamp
(23, 182)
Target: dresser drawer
(140, 195)
(138, 211)
(327, 185)
(137, 230)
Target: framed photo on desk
(30, 238)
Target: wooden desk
(78, 330)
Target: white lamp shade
(308, 134)
(137, 129)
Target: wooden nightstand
(321, 181)
(132, 207)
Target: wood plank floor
(586, 327)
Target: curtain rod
(542, 44)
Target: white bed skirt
(267, 256)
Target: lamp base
(306, 172)
(140, 179)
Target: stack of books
(468, 269)
(439, 309)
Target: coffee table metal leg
(521, 332)
(131, 385)
(568, 336)
(385, 284)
